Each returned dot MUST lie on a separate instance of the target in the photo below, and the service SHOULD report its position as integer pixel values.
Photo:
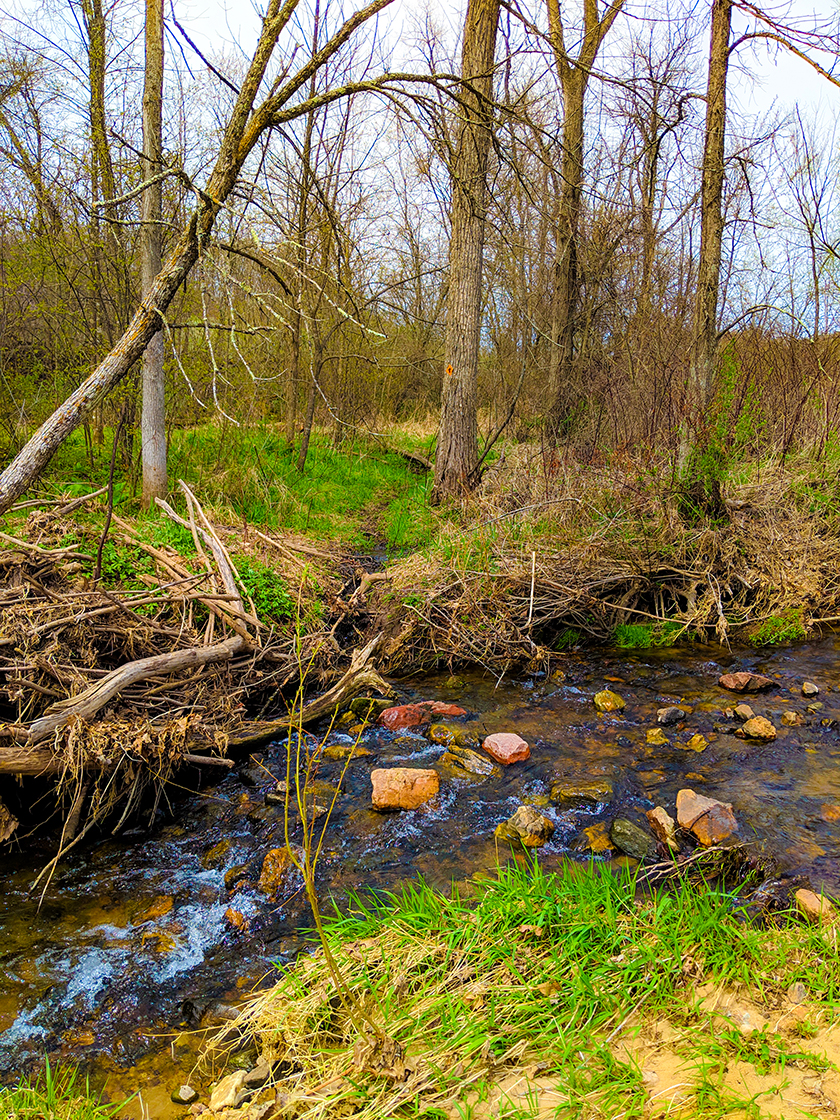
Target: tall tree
(574, 74)
(153, 416)
(456, 460)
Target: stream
(132, 946)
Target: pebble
(810, 689)
(184, 1094)
(608, 701)
(670, 715)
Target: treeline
(323, 295)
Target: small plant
(646, 634)
(566, 638)
(781, 629)
(57, 1094)
(271, 597)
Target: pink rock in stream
(406, 716)
(506, 747)
(400, 787)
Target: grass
(346, 494)
(55, 1095)
(526, 980)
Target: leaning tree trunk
(153, 416)
(244, 128)
(457, 447)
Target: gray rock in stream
(184, 1094)
(631, 839)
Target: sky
(767, 77)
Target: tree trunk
(704, 350)
(153, 416)
(457, 447)
(700, 464)
(566, 280)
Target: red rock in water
(745, 682)
(506, 747)
(711, 821)
(405, 716)
(440, 708)
(417, 715)
(400, 787)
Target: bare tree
(457, 447)
(153, 416)
(248, 121)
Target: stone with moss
(631, 839)
(581, 795)
(608, 701)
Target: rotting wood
(88, 703)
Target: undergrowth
(55, 1094)
(527, 971)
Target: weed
(271, 597)
(58, 1094)
(780, 629)
(646, 634)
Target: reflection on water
(132, 943)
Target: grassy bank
(549, 553)
(55, 1095)
(534, 995)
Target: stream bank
(132, 945)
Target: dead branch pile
(108, 691)
(599, 552)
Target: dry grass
(554, 552)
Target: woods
(623, 230)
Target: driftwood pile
(106, 692)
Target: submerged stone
(581, 795)
(696, 743)
(757, 728)
(670, 715)
(506, 747)
(337, 752)
(792, 719)
(369, 708)
(184, 1094)
(631, 839)
(227, 1091)
(656, 737)
(608, 701)
(810, 689)
(745, 682)
(401, 787)
(440, 733)
(743, 711)
(709, 820)
(276, 868)
(470, 761)
(595, 839)
(404, 716)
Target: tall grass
(528, 972)
(55, 1095)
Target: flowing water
(132, 945)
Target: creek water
(131, 945)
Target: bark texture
(457, 446)
(574, 77)
(153, 416)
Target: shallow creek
(131, 945)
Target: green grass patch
(347, 494)
(636, 635)
(780, 630)
(445, 1001)
(55, 1095)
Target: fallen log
(88, 703)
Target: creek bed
(132, 945)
